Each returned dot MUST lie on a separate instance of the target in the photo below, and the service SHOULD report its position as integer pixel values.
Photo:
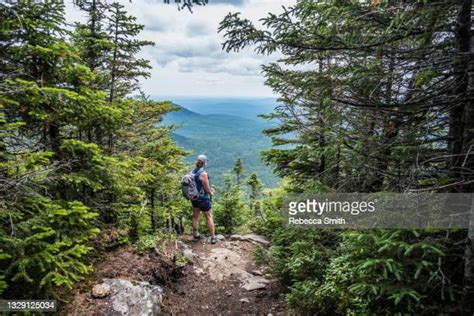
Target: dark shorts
(203, 205)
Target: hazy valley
(224, 130)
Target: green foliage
(360, 272)
(239, 170)
(365, 272)
(3, 283)
(269, 217)
(230, 209)
(181, 260)
(149, 242)
(369, 103)
(125, 45)
(46, 250)
(76, 153)
(351, 122)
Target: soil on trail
(222, 279)
(122, 263)
(212, 285)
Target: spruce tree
(92, 37)
(373, 97)
(125, 68)
(58, 184)
(378, 85)
(239, 170)
(230, 209)
(46, 99)
(256, 186)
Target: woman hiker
(204, 202)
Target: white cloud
(188, 59)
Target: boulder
(133, 297)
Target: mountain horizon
(223, 138)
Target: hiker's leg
(195, 220)
(210, 222)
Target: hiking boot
(213, 240)
(197, 237)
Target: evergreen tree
(255, 186)
(380, 85)
(370, 102)
(92, 38)
(125, 68)
(255, 193)
(159, 158)
(230, 209)
(44, 230)
(239, 171)
(57, 183)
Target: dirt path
(222, 280)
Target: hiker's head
(201, 161)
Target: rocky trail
(183, 278)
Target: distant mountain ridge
(243, 107)
(223, 138)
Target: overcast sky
(187, 59)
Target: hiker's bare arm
(205, 183)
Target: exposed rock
(182, 245)
(222, 263)
(188, 253)
(257, 272)
(133, 298)
(237, 237)
(220, 237)
(199, 271)
(258, 239)
(251, 238)
(101, 290)
(244, 300)
(255, 283)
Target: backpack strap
(198, 181)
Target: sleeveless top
(203, 195)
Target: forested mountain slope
(223, 138)
(239, 106)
